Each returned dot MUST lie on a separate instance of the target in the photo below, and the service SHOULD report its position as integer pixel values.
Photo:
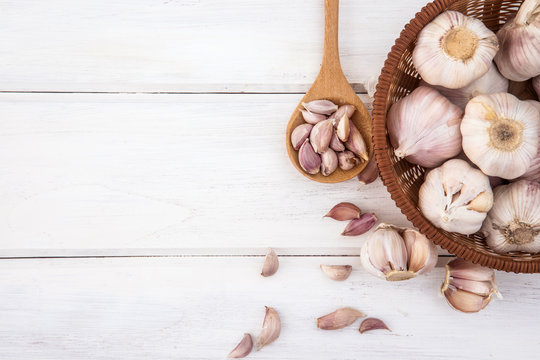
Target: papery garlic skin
(424, 127)
(500, 134)
(519, 39)
(456, 197)
(453, 50)
(513, 224)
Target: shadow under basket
(403, 179)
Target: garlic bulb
(456, 197)
(395, 253)
(513, 224)
(519, 39)
(453, 50)
(536, 85)
(500, 134)
(424, 127)
(489, 83)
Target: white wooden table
(144, 174)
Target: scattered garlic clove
(461, 45)
(337, 272)
(356, 143)
(336, 144)
(271, 263)
(455, 197)
(465, 301)
(343, 128)
(519, 55)
(312, 118)
(500, 134)
(339, 319)
(347, 160)
(422, 253)
(321, 135)
(459, 268)
(270, 329)
(372, 324)
(243, 348)
(300, 134)
(309, 160)
(324, 107)
(370, 173)
(344, 211)
(360, 226)
(424, 127)
(329, 162)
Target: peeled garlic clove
(343, 128)
(465, 301)
(337, 272)
(360, 226)
(339, 319)
(321, 135)
(243, 348)
(453, 50)
(329, 162)
(300, 134)
(344, 211)
(422, 253)
(424, 127)
(309, 160)
(500, 134)
(271, 264)
(513, 223)
(370, 173)
(455, 197)
(372, 324)
(312, 118)
(324, 107)
(519, 55)
(347, 160)
(356, 143)
(270, 329)
(336, 144)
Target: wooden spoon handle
(331, 49)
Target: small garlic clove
(339, 319)
(422, 253)
(243, 348)
(271, 263)
(321, 135)
(465, 301)
(483, 288)
(309, 160)
(463, 269)
(372, 324)
(270, 329)
(300, 134)
(356, 143)
(329, 162)
(312, 118)
(360, 226)
(337, 272)
(482, 202)
(343, 128)
(370, 173)
(344, 211)
(347, 160)
(343, 110)
(336, 144)
(324, 107)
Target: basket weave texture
(403, 179)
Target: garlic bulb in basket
(519, 39)
(456, 197)
(533, 171)
(513, 224)
(453, 50)
(500, 134)
(424, 127)
(395, 253)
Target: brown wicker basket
(403, 179)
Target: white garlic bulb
(513, 224)
(453, 50)
(500, 134)
(424, 127)
(395, 253)
(489, 83)
(456, 197)
(536, 85)
(519, 39)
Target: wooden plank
(188, 45)
(198, 308)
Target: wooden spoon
(332, 85)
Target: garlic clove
(483, 288)
(271, 263)
(465, 301)
(344, 211)
(347, 160)
(372, 324)
(343, 110)
(336, 144)
(459, 268)
(312, 118)
(321, 135)
(324, 107)
(370, 173)
(337, 272)
(300, 134)
(356, 143)
(243, 348)
(482, 202)
(360, 226)
(422, 253)
(270, 329)
(309, 160)
(329, 162)
(339, 319)
(343, 128)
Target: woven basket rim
(388, 176)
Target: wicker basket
(403, 179)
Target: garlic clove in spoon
(453, 50)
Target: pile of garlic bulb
(462, 124)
